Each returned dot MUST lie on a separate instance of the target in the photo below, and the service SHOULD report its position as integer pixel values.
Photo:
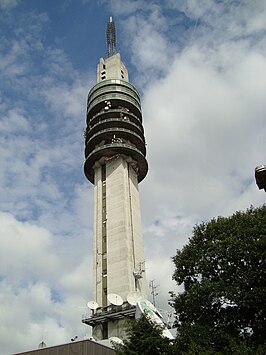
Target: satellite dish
(134, 297)
(167, 334)
(115, 299)
(42, 345)
(92, 305)
(152, 314)
(155, 310)
(116, 340)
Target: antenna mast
(111, 37)
(153, 290)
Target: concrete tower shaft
(115, 153)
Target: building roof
(84, 347)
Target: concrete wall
(124, 234)
(111, 68)
(125, 252)
(97, 240)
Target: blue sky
(201, 70)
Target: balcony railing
(113, 82)
(117, 120)
(117, 129)
(113, 96)
(110, 111)
(112, 89)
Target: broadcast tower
(115, 163)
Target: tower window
(103, 75)
(103, 172)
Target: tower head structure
(115, 162)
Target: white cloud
(68, 101)
(41, 287)
(14, 121)
(124, 7)
(229, 20)
(28, 244)
(8, 4)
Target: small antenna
(111, 37)
(153, 290)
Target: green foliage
(223, 272)
(144, 338)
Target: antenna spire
(111, 37)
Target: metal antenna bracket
(111, 38)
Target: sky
(200, 68)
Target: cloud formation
(201, 71)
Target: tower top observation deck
(114, 118)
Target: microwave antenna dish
(116, 340)
(134, 297)
(153, 315)
(92, 305)
(114, 299)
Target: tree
(223, 272)
(145, 338)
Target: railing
(111, 82)
(115, 129)
(111, 97)
(115, 111)
(112, 150)
(112, 89)
(115, 145)
(108, 312)
(139, 127)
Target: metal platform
(112, 312)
